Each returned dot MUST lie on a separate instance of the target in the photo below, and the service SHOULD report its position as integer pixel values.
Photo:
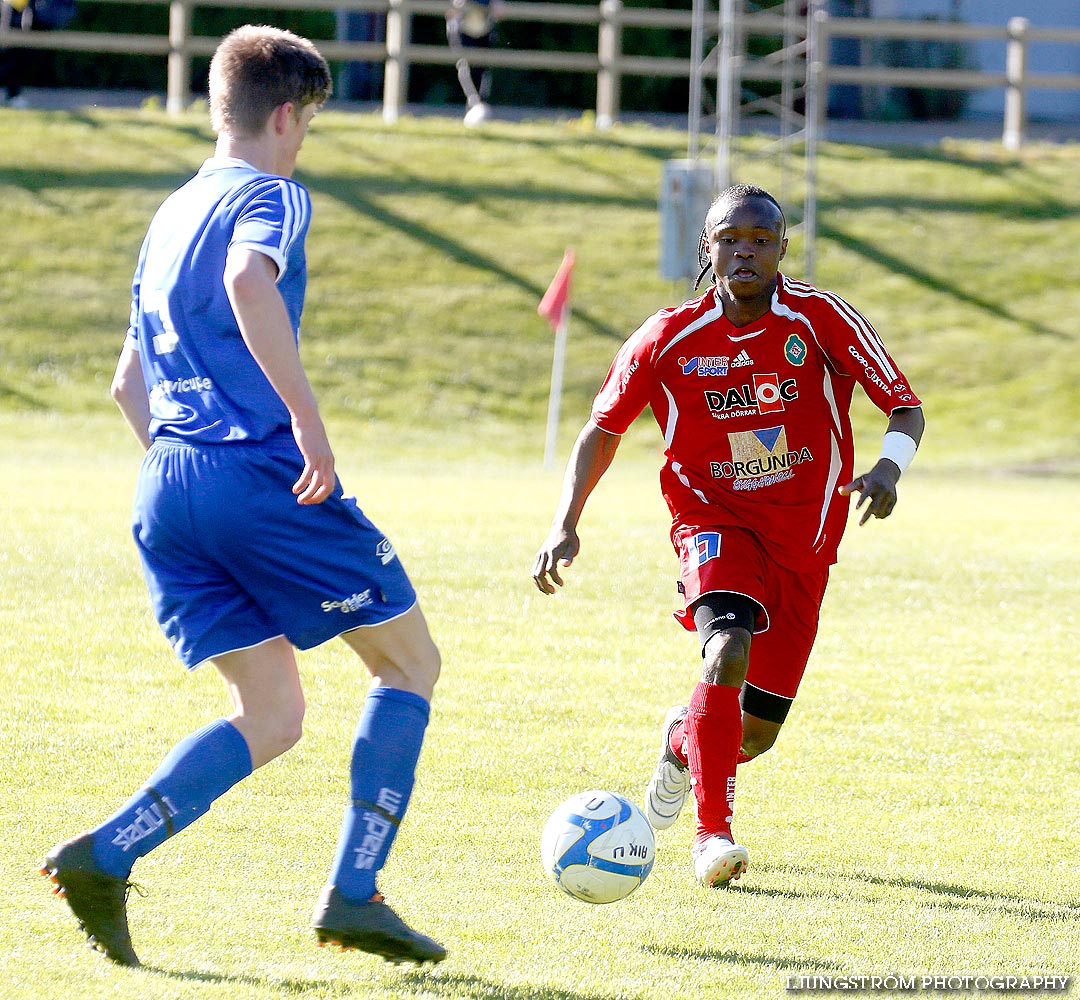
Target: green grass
(918, 816)
(920, 812)
(432, 245)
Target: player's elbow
(123, 389)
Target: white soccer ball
(598, 847)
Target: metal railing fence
(609, 63)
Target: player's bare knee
(416, 670)
(270, 731)
(284, 740)
(430, 665)
(726, 657)
(287, 729)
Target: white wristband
(898, 447)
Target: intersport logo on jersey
(766, 394)
(705, 367)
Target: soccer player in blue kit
(249, 547)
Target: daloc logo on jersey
(767, 395)
(704, 367)
(771, 392)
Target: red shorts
(731, 560)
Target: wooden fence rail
(608, 63)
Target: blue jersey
(204, 384)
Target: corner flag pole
(555, 308)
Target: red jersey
(756, 419)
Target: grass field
(431, 246)
(920, 814)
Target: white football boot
(718, 861)
(670, 784)
(477, 114)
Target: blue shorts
(232, 560)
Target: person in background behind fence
(470, 24)
(27, 15)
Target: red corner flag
(556, 301)
(555, 308)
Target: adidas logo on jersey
(742, 360)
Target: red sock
(677, 745)
(713, 741)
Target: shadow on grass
(351, 193)
(135, 121)
(876, 253)
(1034, 910)
(993, 166)
(479, 988)
(518, 134)
(729, 957)
(38, 182)
(429, 984)
(1026, 208)
(262, 982)
(9, 394)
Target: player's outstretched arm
(250, 280)
(878, 486)
(128, 389)
(589, 460)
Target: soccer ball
(598, 847)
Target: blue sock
(385, 751)
(199, 769)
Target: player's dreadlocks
(736, 192)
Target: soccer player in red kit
(751, 384)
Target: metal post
(787, 94)
(609, 51)
(1016, 76)
(817, 43)
(728, 92)
(697, 71)
(178, 84)
(396, 75)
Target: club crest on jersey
(795, 350)
(760, 458)
(704, 367)
(766, 394)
